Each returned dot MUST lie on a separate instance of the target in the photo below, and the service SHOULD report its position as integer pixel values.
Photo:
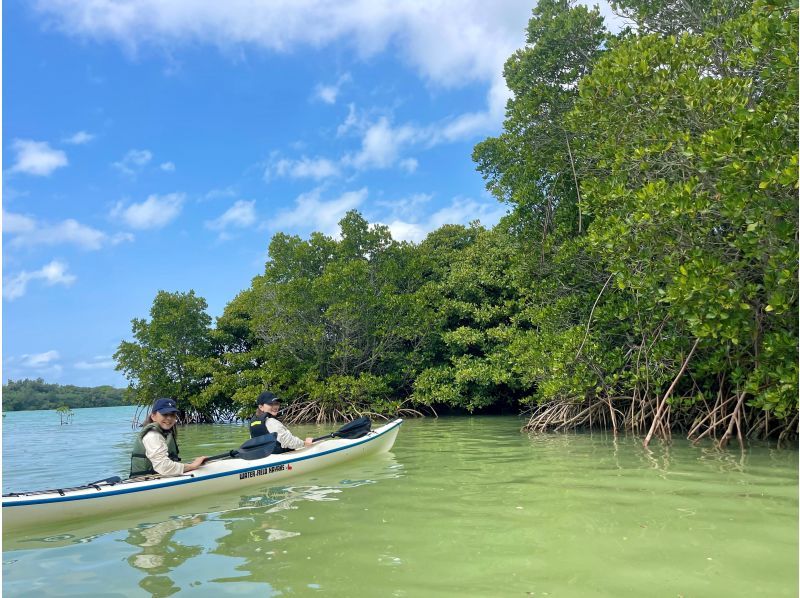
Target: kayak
(109, 497)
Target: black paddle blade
(263, 440)
(354, 429)
(255, 448)
(264, 449)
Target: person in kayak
(155, 450)
(264, 422)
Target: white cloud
(167, 167)
(27, 232)
(220, 194)
(449, 43)
(241, 214)
(382, 144)
(304, 168)
(409, 164)
(37, 157)
(406, 207)
(329, 93)
(79, 138)
(350, 122)
(155, 212)
(17, 223)
(37, 360)
(407, 231)
(464, 210)
(100, 362)
(53, 273)
(405, 224)
(313, 213)
(132, 161)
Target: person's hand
(308, 441)
(195, 464)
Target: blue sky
(152, 145)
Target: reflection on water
(461, 507)
(160, 553)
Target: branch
(591, 313)
(669, 392)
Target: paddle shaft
(220, 456)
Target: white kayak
(58, 506)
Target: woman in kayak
(264, 422)
(155, 450)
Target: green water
(460, 507)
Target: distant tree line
(29, 395)
(645, 278)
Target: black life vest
(258, 424)
(258, 427)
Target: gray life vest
(140, 464)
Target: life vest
(258, 424)
(140, 464)
(258, 427)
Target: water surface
(460, 507)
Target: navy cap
(164, 406)
(267, 398)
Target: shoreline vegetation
(644, 279)
(34, 395)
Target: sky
(151, 145)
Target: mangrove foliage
(644, 279)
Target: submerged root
(727, 417)
(318, 412)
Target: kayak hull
(54, 507)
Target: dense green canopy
(645, 277)
(30, 395)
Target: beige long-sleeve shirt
(155, 447)
(285, 437)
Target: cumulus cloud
(167, 167)
(405, 223)
(349, 122)
(304, 168)
(79, 138)
(224, 193)
(406, 207)
(155, 212)
(241, 214)
(99, 362)
(407, 231)
(409, 165)
(329, 93)
(25, 231)
(382, 144)
(51, 274)
(133, 161)
(312, 212)
(463, 210)
(449, 43)
(36, 157)
(37, 360)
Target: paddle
(255, 448)
(355, 429)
